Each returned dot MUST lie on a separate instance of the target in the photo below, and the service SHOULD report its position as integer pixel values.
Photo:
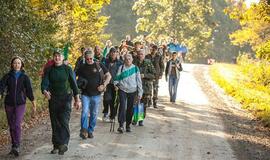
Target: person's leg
(53, 107)
(122, 110)
(129, 114)
(113, 104)
(19, 114)
(105, 112)
(10, 112)
(94, 107)
(64, 118)
(171, 88)
(146, 98)
(155, 94)
(107, 101)
(174, 88)
(84, 116)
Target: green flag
(65, 50)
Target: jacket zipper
(15, 96)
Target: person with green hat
(58, 85)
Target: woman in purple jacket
(17, 86)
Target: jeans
(126, 107)
(90, 104)
(173, 84)
(15, 116)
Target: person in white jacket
(128, 81)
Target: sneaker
(16, 151)
(155, 104)
(120, 130)
(54, 150)
(106, 119)
(134, 123)
(141, 123)
(90, 135)
(11, 152)
(128, 129)
(62, 149)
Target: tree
(255, 27)
(122, 20)
(23, 33)
(186, 20)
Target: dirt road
(190, 129)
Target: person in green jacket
(147, 72)
(58, 85)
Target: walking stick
(115, 111)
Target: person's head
(138, 45)
(97, 50)
(58, 57)
(113, 53)
(124, 49)
(128, 38)
(108, 43)
(174, 55)
(141, 55)
(154, 49)
(89, 56)
(16, 63)
(82, 50)
(175, 41)
(123, 42)
(128, 59)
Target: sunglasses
(89, 59)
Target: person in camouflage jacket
(157, 60)
(147, 71)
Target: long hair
(13, 59)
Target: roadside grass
(253, 96)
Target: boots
(155, 104)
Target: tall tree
(122, 20)
(23, 33)
(255, 27)
(186, 20)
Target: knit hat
(58, 51)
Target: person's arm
(118, 76)
(29, 89)
(107, 78)
(74, 87)
(179, 66)
(45, 84)
(139, 83)
(167, 70)
(150, 72)
(72, 82)
(30, 95)
(161, 64)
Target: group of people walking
(124, 75)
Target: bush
(247, 88)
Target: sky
(248, 2)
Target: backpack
(47, 65)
